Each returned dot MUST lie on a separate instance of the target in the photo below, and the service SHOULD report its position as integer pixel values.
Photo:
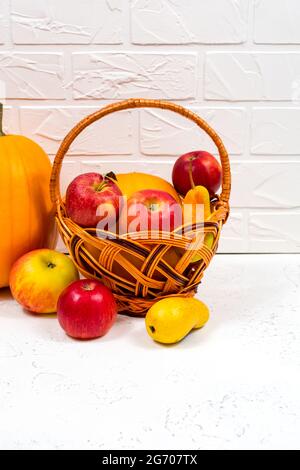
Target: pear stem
(1, 121)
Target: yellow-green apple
(151, 209)
(86, 309)
(92, 198)
(197, 168)
(39, 277)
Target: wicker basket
(140, 272)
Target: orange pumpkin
(26, 212)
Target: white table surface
(233, 385)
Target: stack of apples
(45, 281)
(139, 202)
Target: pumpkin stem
(1, 121)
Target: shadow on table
(195, 339)
(38, 315)
(5, 294)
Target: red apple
(86, 309)
(151, 209)
(92, 198)
(197, 168)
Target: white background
(236, 62)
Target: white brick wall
(251, 76)
(67, 22)
(128, 74)
(235, 62)
(32, 75)
(189, 22)
(48, 125)
(167, 133)
(275, 131)
(277, 22)
(2, 22)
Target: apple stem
(1, 121)
(191, 174)
(100, 186)
(87, 287)
(107, 178)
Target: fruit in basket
(208, 241)
(196, 206)
(27, 218)
(87, 309)
(172, 257)
(130, 183)
(39, 277)
(94, 199)
(194, 169)
(151, 209)
(169, 320)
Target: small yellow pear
(195, 198)
(171, 319)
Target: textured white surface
(251, 76)
(233, 385)
(2, 21)
(32, 75)
(56, 22)
(126, 75)
(266, 184)
(275, 131)
(49, 125)
(193, 21)
(8, 118)
(167, 133)
(277, 21)
(234, 234)
(266, 235)
(235, 62)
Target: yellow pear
(196, 197)
(171, 319)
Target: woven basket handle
(139, 103)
